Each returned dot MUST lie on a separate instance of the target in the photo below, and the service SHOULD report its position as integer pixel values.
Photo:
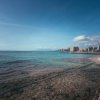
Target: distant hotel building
(74, 49)
(82, 50)
(90, 49)
(98, 49)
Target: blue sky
(47, 24)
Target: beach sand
(96, 60)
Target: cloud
(81, 38)
(87, 40)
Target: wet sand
(96, 60)
(78, 83)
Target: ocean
(19, 60)
(38, 55)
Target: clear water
(46, 55)
(40, 59)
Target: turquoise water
(47, 55)
(40, 59)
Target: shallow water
(23, 70)
(26, 61)
(40, 56)
(40, 59)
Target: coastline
(96, 53)
(96, 60)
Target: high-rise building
(98, 49)
(74, 49)
(90, 49)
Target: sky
(48, 24)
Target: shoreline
(84, 52)
(96, 60)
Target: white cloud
(87, 40)
(81, 38)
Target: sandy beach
(96, 60)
